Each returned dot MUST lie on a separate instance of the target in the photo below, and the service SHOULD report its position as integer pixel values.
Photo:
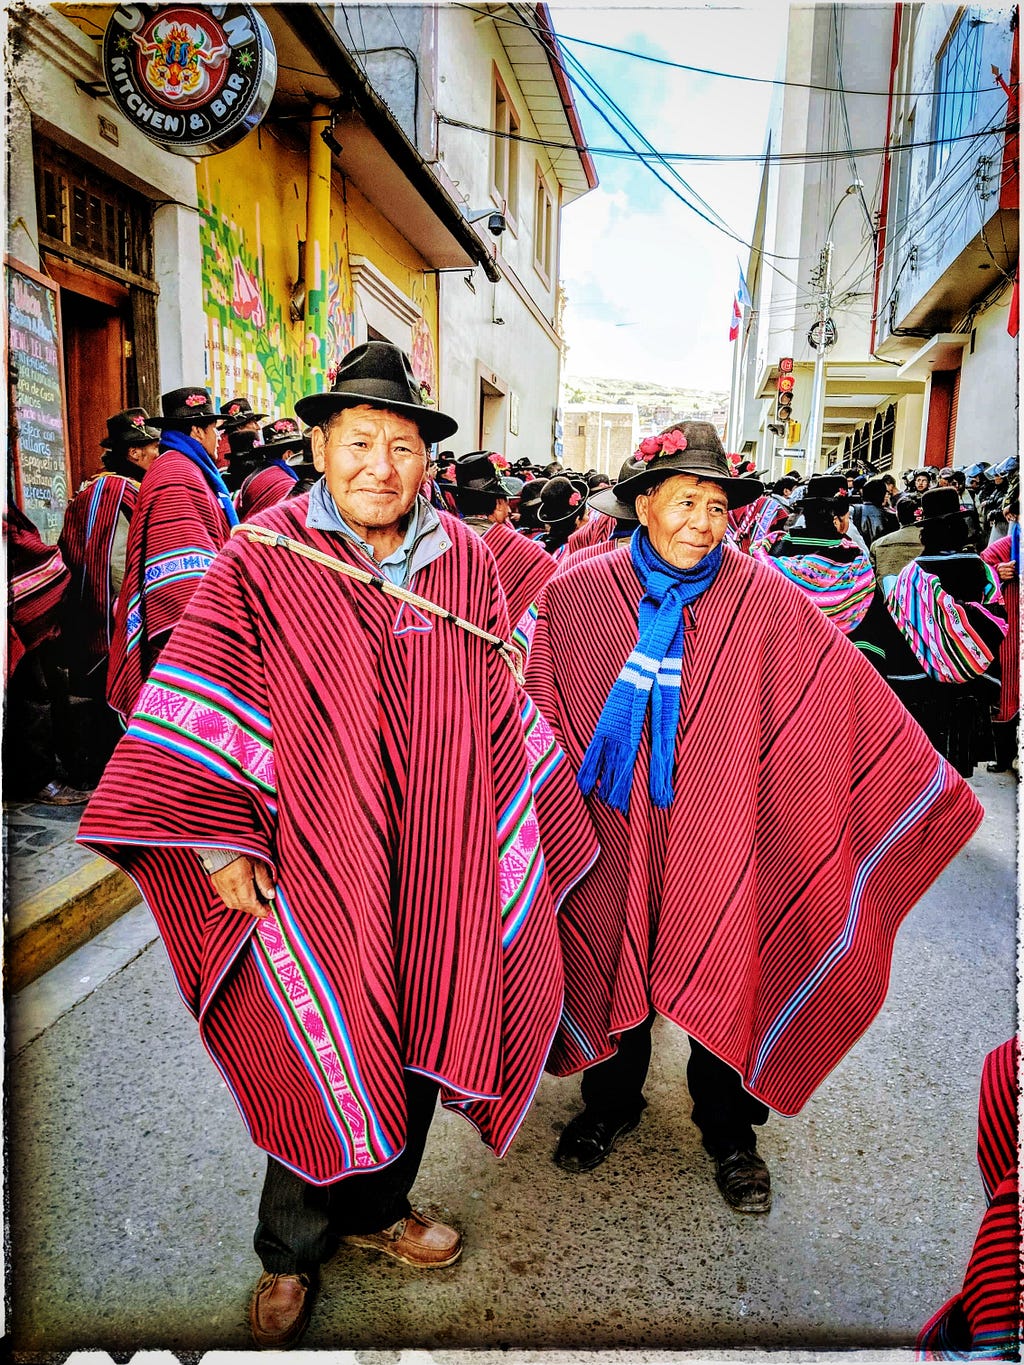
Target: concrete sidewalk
(134, 1187)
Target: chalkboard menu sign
(38, 418)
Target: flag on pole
(741, 300)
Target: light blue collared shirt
(425, 538)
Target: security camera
(496, 224)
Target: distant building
(599, 436)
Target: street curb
(53, 922)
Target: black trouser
(36, 725)
(723, 1111)
(1004, 736)
(301, 1224)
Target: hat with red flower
(129, 428)
(237, 412)
(188, 405)
(480, 472)
(284, 434)
(564, 498)
(686, 448)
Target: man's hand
(1007, 571)
(245, 885)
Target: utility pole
(817, 420)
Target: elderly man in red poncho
(706, 705)
(333, 795)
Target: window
(99, 220)
(543, 229)
(505, 156)
(957, 77)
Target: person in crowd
(831, 569)
(244, 458)
(641, 663)
(237, 415)
(276, 475)
(622, 515)
(1003, 556)
(438, 494)
(526, 513)
(94, 544)
(182, 517)
(37, 739)
(344, 667)
(923, 480)
(889, 553)
(872, 516)
(955, 478)
(983, 1321)
(1003, 478)
(948, 606)
(562, 510)
(759, 523)
(523, 565)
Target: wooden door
(95, 318)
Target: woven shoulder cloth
(842, 591)
(938, 628)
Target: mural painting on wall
(422, 359)
(251, 348)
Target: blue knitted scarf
(185, 445)
(653, 671)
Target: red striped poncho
(602, 547)
(810, 813)
(37, 578)
(87, 543)
(1009, 651)
(263, 489)
(177, 528)
(983, 1321)
(523, 566)
(389, 769)
(597, 527)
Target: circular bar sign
(193, 78)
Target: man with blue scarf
(183, 516)
(696, 693)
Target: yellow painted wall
(253, 205)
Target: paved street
(134, 1188)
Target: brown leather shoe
(416, 1241)
(280, 1309)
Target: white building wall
(988, 429)
(52, 53)
(522, 353)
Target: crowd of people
(438, 772)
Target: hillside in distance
(656, 403)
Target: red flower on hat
(574, 499)
(668, 444)
(284, 424)
(497, 460)
(448, 473)
(672, 442)
(647, 449)
(138, 420)
(196, 400)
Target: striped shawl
(953, 641)
(758, 912)
(421, 822)
(87, 543)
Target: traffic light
(784, 399)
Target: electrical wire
(706, 71)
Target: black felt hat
(241, 443)
(562, 499)
(285, 434)
(825, 487)
(129, 428)
(702, 455)
(237, 412)
(380, 374)
(939, 502)
(191, 404)
(480, 472)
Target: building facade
(253, 269)
(599, 436)
(878, 205)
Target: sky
(649, 285)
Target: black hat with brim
(704, 457)
(129, 428)
(555, 504)
(284, 434)
(189, 405)
(477, 472)
(379, 374)
(939, 502)
(237, 412)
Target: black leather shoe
(588, 1138)
(744, 1180)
